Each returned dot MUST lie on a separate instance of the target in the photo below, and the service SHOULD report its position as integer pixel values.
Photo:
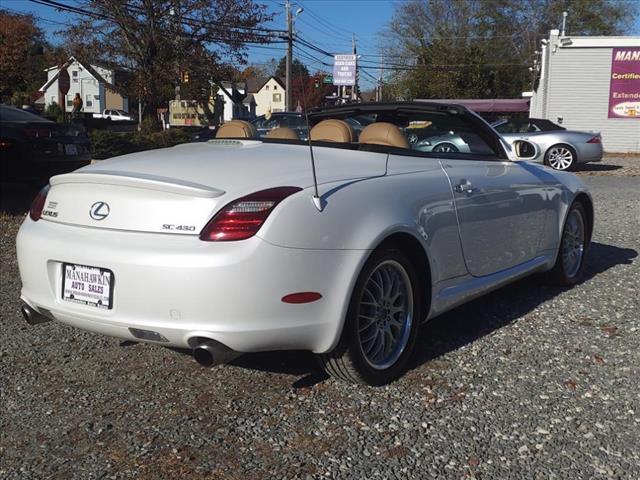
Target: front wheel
(573, 247)
(561, 157)
(381, 324)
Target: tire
(371, 322)
(445, 148)
(573, 245)
(561, 157)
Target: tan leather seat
(333, 130)
(282, 133)
(383, 133)
(237, 129)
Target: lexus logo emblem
(99, 211)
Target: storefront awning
(498, 105)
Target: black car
(33, 148)
(293, 120)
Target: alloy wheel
(573, 243)
(385, 314)
(445, 148)
(560, 158)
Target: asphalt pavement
(528, 382)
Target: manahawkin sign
(624, 87)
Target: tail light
(243, 218)
(36, 132)
(35, 212)
(596, 139)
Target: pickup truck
(115, 115)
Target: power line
(255, 32)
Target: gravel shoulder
(528, 382)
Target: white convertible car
(342, 246)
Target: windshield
(11, 114)
(427, 132)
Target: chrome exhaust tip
(212, 353)
(32, 316)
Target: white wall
(229, 113)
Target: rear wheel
(445, 148)
(381, 325)
(573, 247)
(561, 157)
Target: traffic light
(185, 77)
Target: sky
(328, 24)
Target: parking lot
(529, 382)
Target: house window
(277, 97)
(69, 100)
(74, 74)
(89, 101)
(267, 87)
(275, 87)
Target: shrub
(107, 144)
(54, 112)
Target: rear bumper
(590, 152)
(183, 288)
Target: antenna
(316, 197)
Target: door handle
(464, 186)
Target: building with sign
(591, 84)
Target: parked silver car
(559, 148)
(436, 136)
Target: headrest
(383, 133)
(333, 130)
(236, 129)
(283, 133)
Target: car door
(502, 209)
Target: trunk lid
(177, 190)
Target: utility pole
(379, 89)
(354, 89)
(288, 93)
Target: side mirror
(524, 150)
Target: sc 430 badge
(178, 228)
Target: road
(528, 382)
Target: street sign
(344, 70)
(327, 79)
(64, 83)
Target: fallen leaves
(609, 330)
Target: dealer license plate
(87, 285)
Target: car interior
(419, 132)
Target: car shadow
(456, 328)
(596, 167)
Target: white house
(268, 93)
(95, 84)
(233, 102)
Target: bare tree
(484, 48)
(168, 43)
